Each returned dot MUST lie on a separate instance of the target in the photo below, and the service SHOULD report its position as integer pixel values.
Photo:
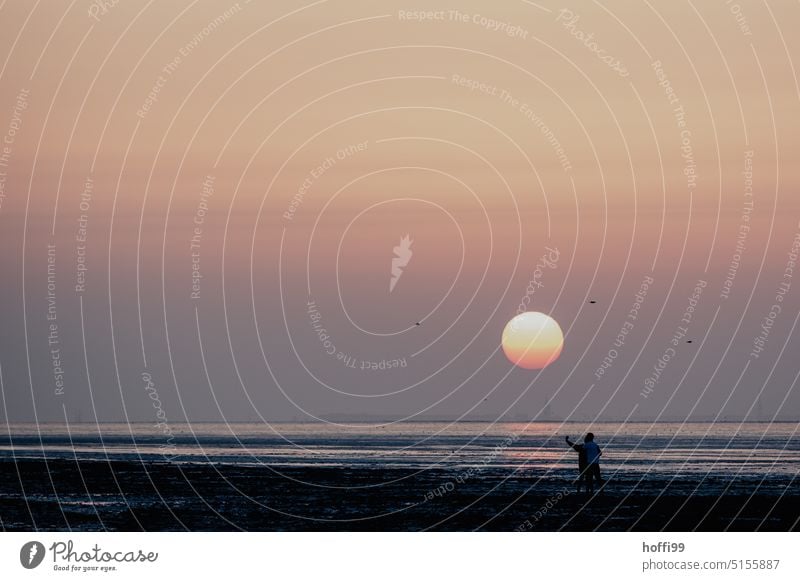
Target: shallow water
(684, 450)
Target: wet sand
(160, 496)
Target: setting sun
(532, 340)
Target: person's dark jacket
(582, 460)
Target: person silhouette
(581, 463)
(593, 453)
(588, 462)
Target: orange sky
(485, 133)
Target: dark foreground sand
(130, 496)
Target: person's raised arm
(570, 444)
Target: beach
(159, 496)
(440, 477)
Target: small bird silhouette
(593, 302)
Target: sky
(201, 203)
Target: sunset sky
(217, 190)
